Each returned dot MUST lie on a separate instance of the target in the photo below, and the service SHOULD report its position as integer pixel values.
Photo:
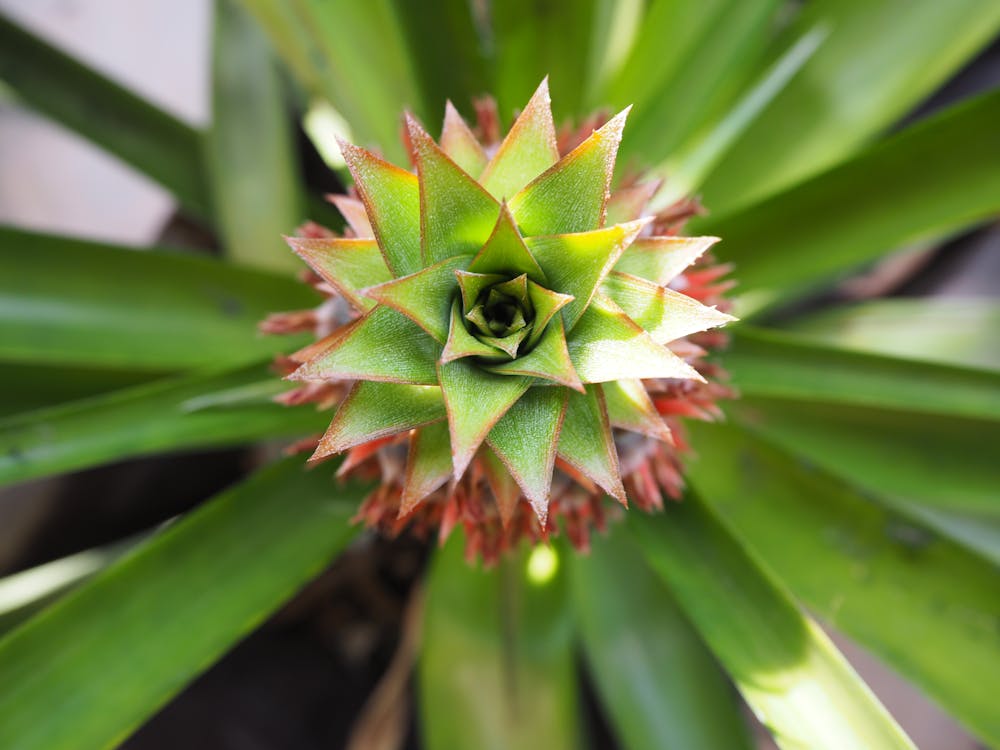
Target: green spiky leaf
(585, 441)
(662, 259)
(347, 264)
(525, 440)
(476, 400)
(374, 410)
(456, 213)
(505, 252)
(549, 359)
(607, 345)
(631, 408)
(576, 264)
(428, 465)
(667, 315)
(384, 345)
(460, 143)
(424, 297)
(528, 150)
(392, 200)
(572, 194)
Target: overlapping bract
(498, 313)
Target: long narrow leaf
(449, 53)
(82, 304)
(943, 462)
(659, 683)
(29, 387)
(882, 59)
(932, 179)
(786, 668)
(25, 593)
(976, 532)
(689, 164)
(354, 55)
(949, 330)
(249, 148)
(615, 29)
(533, 39)
(496, 667)
(922, 604)
(785, 366)
(152, 141)
(194, 412)
(682, 103)
(651, 63)
(89, 670)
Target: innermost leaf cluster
(502, 315)
(498, 312)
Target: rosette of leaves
(499, 295)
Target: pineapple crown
(501, 300)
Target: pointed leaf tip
(348, 264)
(525, 440)
(528, 150)
(586, 442)
(428, 465)
(665, 314)
(391, 197)
(577, 263)
(457, 215)
(572, 195)
(374, 410)
(505, 251)
(662, 259)
(354, 214)
(424, 297)
(475, 401)
(608, 345)
(460, 143)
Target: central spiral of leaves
(499, 313)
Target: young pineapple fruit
(505, 339)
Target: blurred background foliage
(848, 159)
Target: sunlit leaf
(660, 685)
(784, 665)
(496, 664)
(920, 603)
(576, 264)
(607, 345)
(572, 194)
(528, 149)
(880, 60)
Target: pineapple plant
(506, 334)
